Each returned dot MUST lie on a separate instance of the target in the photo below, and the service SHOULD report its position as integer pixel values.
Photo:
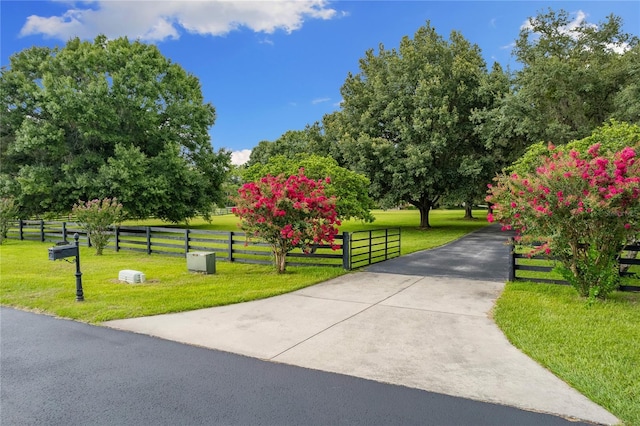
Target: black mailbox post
(62, 252)
(70, 250)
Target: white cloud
(320, 100)
(240, 157)
(570, 30)
(618, 48)
(163, 19)
(579, 19)
(527, 25)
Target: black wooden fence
(367, 247)
(355, 250)
(540, 269)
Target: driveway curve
(421, 321)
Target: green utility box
(201, 261)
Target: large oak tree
(108, 118)
(405, 119)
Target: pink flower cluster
(570, 191)
(288, 212)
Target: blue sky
(273, 66)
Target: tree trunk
(424, 206)
(424, 216)
(467, 210)
(280, 261)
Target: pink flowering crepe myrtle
(582, 210)
(288, 213)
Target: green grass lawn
(595, 349)
(29, 280)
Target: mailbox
(70, 250)
(62, 252)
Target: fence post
(512, 260)
(42, 230)
(230, 246)
(20, 227)
(370, 248)
(64, 231)
(386, 243)
(186, 242)
(346, 258)
(116, 235)
(148, 229)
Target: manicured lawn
(29, 280)
(447, 226)
(596, 349)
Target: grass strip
(596, 349)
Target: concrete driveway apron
(422, 321)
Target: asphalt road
(60, 372)
(482, 255)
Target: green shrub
(96, 217)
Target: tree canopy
(427, 122)
(309, 141)
(108, 118)
(406, 118)
(574, 77)
(349, 188)
(612, 137)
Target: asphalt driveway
(481, 255)
(60, 372)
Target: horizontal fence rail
(355, 249)
(368, 247)
(52, 231)
(541, 269)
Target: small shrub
(96, 217)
